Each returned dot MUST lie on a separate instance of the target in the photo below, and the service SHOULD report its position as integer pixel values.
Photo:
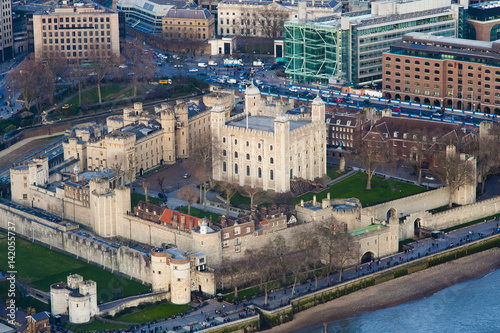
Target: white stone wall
(79, 309)
(59, 301)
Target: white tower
(252, 100)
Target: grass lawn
(107, 93)
(41, 267)
(332, 171)
(136, 197)
(239, 199)
(198, 213)
(50, 138)
(21, 300)
(94, 326)
(354, 187)
(154, 312)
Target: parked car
(193, 70)
(186, 175)
(293, 89)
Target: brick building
(446, 71)
(406, 137)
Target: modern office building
(349, 49)
(191, 24)
(483, 21)
(146, 15)
(445, 71)
(74, 30)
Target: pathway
(339, 178)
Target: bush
(401, 272)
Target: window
(248, 156)
(224, 152)
(259, 173)
(259, 158)
(271, 175)
(427, 64)
(271, 148)
(235, 154)
(248, 170)
(224, 166)
(236, 168)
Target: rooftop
(188, 13)
(485, 5)
(265, 124)
(370, 228)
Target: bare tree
(234, 270)
(200, 163)
(103, 62)
(421, 153)
(25, 78)
(265, 266)
(454, 171)
(139, 60)
(487, 152)
(130, 158)
(79, 76)
(269, 19)
(337, 247)
(160, 180)
(372, 154)
(145, 187)
(229, 191)
(252, 192)
(190, 194)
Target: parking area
(173, 179)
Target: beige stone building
(73, 31)
(22, 177)
(138, 140)
(6, 32)
(266, 149)
(192, 24)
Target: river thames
(471, 306)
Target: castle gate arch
(367, 257)
(417, 224)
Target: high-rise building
(349, 49)
(6, 35)
(75, 30)
(483, 21)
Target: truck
(212, 63)
(202, 65)
(258, 62)
(233, 62)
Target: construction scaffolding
(313, 52)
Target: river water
(471, 306)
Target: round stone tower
(59, 299)
(180, 286)
(89, 288)
(159, 271)
(79, 308)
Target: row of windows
(259, 158)
(74, 19)
(74, 41)
(259, 170)
(179, 28)
(73, 26)
(247, 143)
(185, 23)
(73, 33)
(76, 54)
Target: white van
(202, 65)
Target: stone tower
(167, 121)
(217, 119)
(281, 172)
(252, 100)
(181, 138)
(318, 110)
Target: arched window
(224, 152)
(248, 143)
(223, 140)
(235, 154)
(259, 158)
(236, 168)
(271, 175)
(224, 166)
(248, 156)
(259, 172)
(271, 147)
(271, 160)
(248, 170)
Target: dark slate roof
(188, 13)
(40, 316)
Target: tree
(139, 60)
(26, 79)
(251, 192)
(454, 170)
(421, 153)
(160, 180)
(372, 154)
(270, 19)
(201, 159)
(337, 247)
(229, 191)
(234, 270)
(102, 63)
(486, 150)
(190, 194)
(79, 76)
(265, 266)
(145, 186)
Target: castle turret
(252, 100)
(279, 169)
(182, 115)
(318, 110)
(180, 281)
(160, 271)
(167, 121)
(78, 305)
(59, 299)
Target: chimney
(328, 195)
(314, 200)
